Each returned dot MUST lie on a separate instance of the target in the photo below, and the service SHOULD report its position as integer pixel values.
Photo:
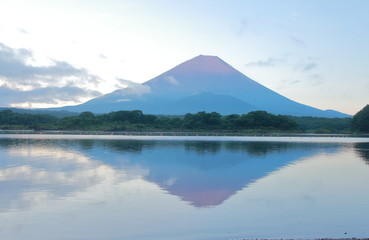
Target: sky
(65, 52)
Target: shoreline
(300, 239)
(186, 137)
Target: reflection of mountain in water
(201, 173)
(207, 173)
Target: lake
(91, 187)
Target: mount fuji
(203, 83)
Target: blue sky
(54, 53)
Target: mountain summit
(203, 83)
(200, 74)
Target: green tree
(230, 121)
(264, 120)
(202, 121)
(360, 122)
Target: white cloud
(17, 70)
(124, 100)
(172, 80)
(270, 62)
(133, 87)
(309, 66)
(288, 83)
(44, 97)
(21, 81)
(298, 42)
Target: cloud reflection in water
(113, 189)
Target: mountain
(204, 83)
(56, 113)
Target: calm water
(168, 190)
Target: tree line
(138, 121)
(202, 121)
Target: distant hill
(55, 113)
(204, 83)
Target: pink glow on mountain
(204, 64)
(205, 198)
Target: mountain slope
(204, 83)
(211, 102)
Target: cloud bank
(44, 96)
(22, 80)
(270, 62)
(132, 87)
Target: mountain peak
(206, 57)
(205, 64)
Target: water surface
(84, 189)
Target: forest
(256, 121)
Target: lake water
(76, 188)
